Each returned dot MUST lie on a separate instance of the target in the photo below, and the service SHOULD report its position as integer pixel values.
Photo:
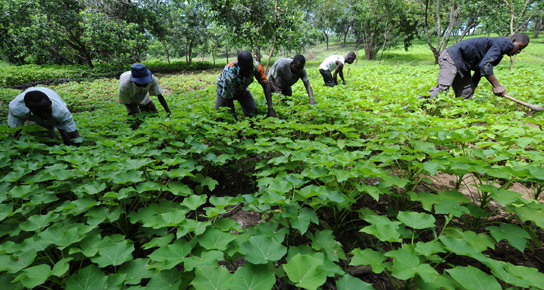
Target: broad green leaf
(348, 282)
(194, 201)
(461, 247)
(304, 272)
(178, 188)
(135, 271)
(36, 275)
(404, 263)
(480, 242)
(505, 197)
(369, 257)
(474, 279)
(135, 163)
(384, 229)
(5, 211)
(61, 267)
(115, 282)
(526, 274)
(417, 220)
(325, 240)
(499, 271)
(262, 249)
(205, 259)
(206, 181)
(165, 280)
(88, 278)
(22, 190)
(15, 262)
(530, 213)
(252, 277)
(215, 239)
(114, 255)
(158, 242)
(515, 235)
(300, 220)
(124, 177)
(447, 206)
(91, 188)
(429, 248)
(173, 254)
(211, 278)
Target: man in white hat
(135, 88)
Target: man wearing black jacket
(479, 55)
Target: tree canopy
(123, 31)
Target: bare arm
(164, 104)
(268, 96)
(310, 91)
(498, 89)
(272, 83)
(338, 70)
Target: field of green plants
(352, 193)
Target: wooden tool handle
(530, 106)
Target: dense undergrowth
(19, 75)
(340, 184)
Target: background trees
(124, 31)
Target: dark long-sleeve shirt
(479, 55)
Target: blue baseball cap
(140, 74)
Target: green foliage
(340, 184)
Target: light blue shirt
(62, 118)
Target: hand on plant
(499, 90)
(344, 82)
(312, 102)
(271, 113)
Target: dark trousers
(149, 107)
(287, 92)
(327, 78)
(245, 99)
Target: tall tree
(376, 21)
(449, 17)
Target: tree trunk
(258, 52)
(227, 52)
(345, 35)
(186, 51)
(271, 53)
(326, 39)
(538, 27)
(190, 51)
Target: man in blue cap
(135, 88)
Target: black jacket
(479, 55)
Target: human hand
(343, 82)
(499, 90)
(271, 113)
(312, 101)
